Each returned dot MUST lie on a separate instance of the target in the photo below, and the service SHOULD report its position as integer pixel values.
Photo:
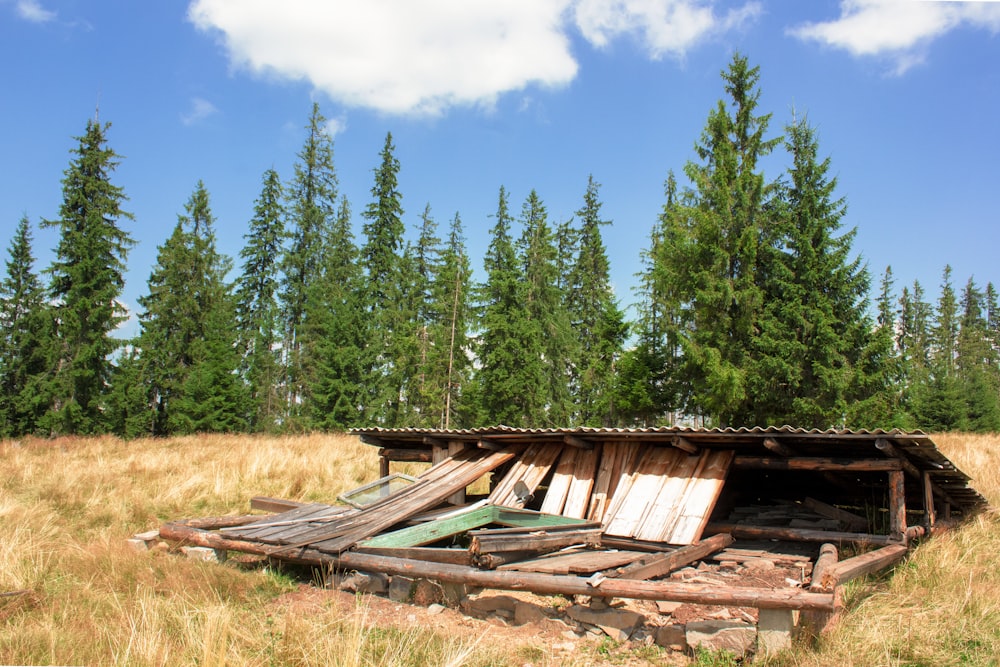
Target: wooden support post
(897, 505)
(383, 466)
(929, 513)
(866, 563)
(814, 623)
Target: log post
(383, 466)
(930, 515)
(897, 506)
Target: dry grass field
(73, 593)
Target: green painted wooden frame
(438, 529)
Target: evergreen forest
(751, 309)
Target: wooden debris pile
(616, 513)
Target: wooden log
(383, 466)
(186, 535)
(548, 584)
(429, 554)
(742, 532)
(405, 455)
(779, 448)
(930, 515)
(897, 505)
(273, 505)
(890, 450)
(539, 541)
(216, 522)
(851, 521)
(817, 463)
(661, 564)
(827, 559)
(866, 563)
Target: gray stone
(435, 609)
(525, 612)
(206, 554)
(616, 623)
(667, 606)
(489, 604)
(671, 636)
(427, 592)
(401, 588)
(453, 593)
(758, 565)
(774, 629)
(365, 582)
(734, 636)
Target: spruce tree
(716, 267)
(812, 325)
(549, 341)
(311, 207)
(337, 377)
(510, 381)
(975, 365)
(941, 403)
(26, 339)
(383, 265)
(451, 344)
(87, 278)
(595, 317)
(258, 311)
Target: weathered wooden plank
(555, 496)
(541, 541)
(647, 480)
(530, 468)
(699, 500)
(429, 554)
(658, 565)
(742, 532)
(614, 458)
(582, 562)
(509, 516)
(432, 531)
(668, 498)
(578, 496)
(274, 505)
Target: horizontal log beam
(537, 540)
(742, 532)
(579, 443)
(554, 584)
(684, 445)
(429, 554)
(820, 464)
(406, 455)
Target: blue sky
(529, 94)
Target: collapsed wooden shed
(613, 512)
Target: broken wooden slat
(658, 565)
(432, 531)
(668, 498)
(615, 457)
(530, 468)
(579, 562)
(429, 554)
(274, 505)
(700, 499)
(555, 496)
(578, 496)
(646, 481)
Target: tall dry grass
(81, 596)
(77, 594)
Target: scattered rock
(667, 607)
(435, 609)
(427, 592)
(206, 554)
(401, 588)
(718, 635)
(453, 593)
(525, 613)
(671, 636)
(364, 582)
(489, 604)
(759, 565)
(616, 623)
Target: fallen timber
(625, 513)
(763, 598)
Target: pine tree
(337, 380)
(812, 326)
(187, 339)
(383, 265)
(717, 265)
(311, 206)
(87, 278)
(550, 340)
(595, 316)
(510, 380)
(26, 339)
(257, 307)
(941, 404)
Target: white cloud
(663, 26)
(32, 10)
(899, 29)
(200, 110)
(424, 56)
